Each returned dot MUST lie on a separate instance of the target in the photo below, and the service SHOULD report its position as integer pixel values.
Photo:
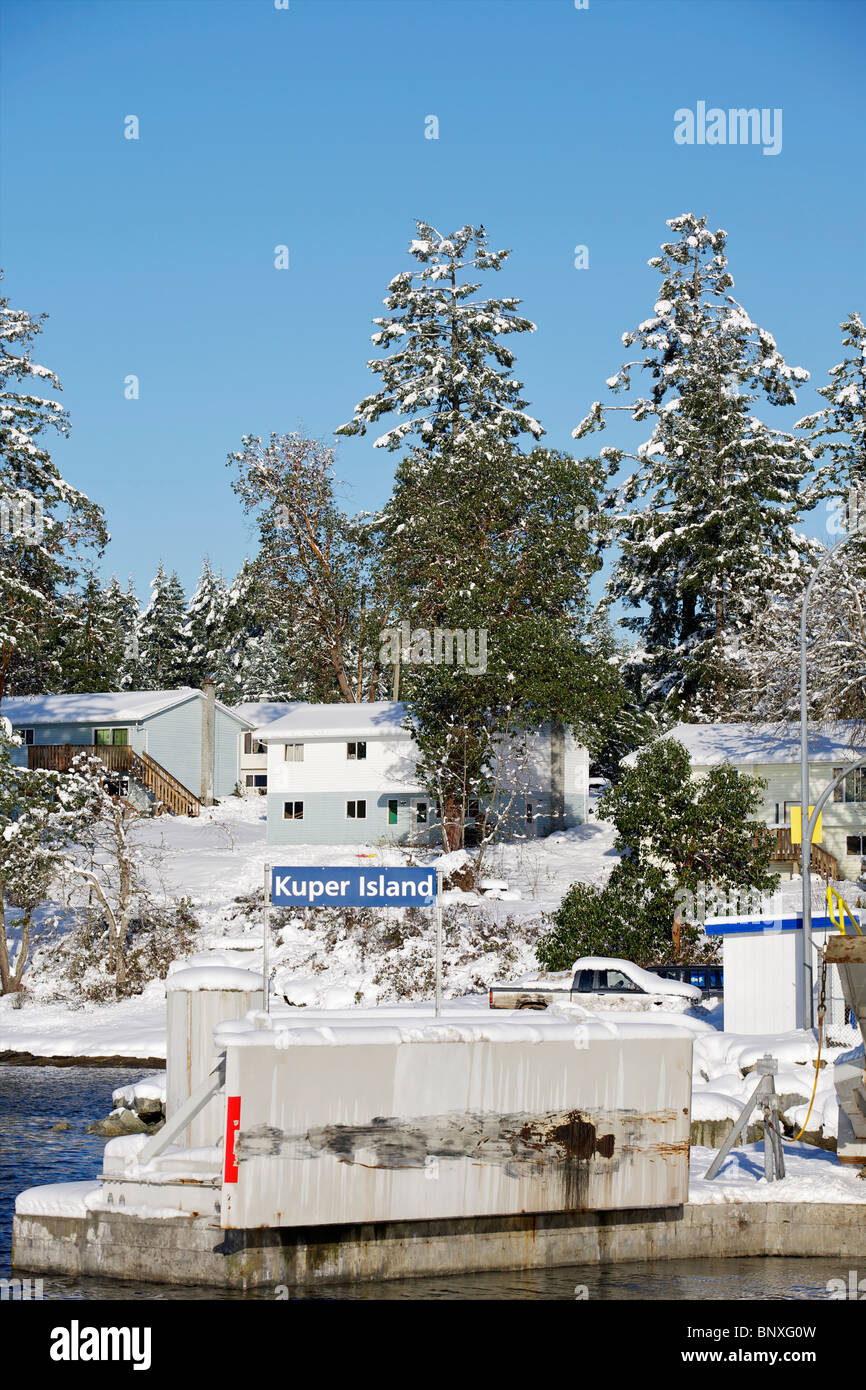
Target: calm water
(32, 1099)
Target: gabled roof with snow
(112, 707)
(709, 745)
(265, 711)
(375, 719)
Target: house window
(111, 738)
(529, 813)
(293, 810)
(26, 736)
(356, 810)
(254, 745)
(472, 810)
(294, 753)
(856, 844)
(854, 786)
(421, 813)
(257, 780)
(356, 750)
(392, 812)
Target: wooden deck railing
(823, 862)
(171, 794)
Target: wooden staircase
(787, 852)
(169, 793)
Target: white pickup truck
(600, 982)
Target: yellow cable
(815, 1087)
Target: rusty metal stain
(392, 1142)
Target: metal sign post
(332, 886)
(438, 911)
(266, 932)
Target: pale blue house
(180, 748)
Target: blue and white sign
(352, 887)
(757, 926)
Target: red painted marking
(233, 1124)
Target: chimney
(208, 740)
(557, 775)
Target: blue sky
(305, 127)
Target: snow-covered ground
(811, 1175)
(218, 862)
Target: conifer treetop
(446, 369)
(842, 423)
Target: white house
(253, 770)
(346, 773)
(773, 754)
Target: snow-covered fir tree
(255, 663)
(838, 431)
(706, 518)
(204, 626)
(769, 655)
(122, 604)
(446, 372)
(94, 643)
(46, 525)
(162, 661)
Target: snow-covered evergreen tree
(204, 626)
(92, 651)
(125, 617)
(446, 371)
(706, 518)
(45, 524)
(839, 429)
(256, 662)
(161, 645)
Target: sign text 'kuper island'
(352, 887)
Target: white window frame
(356, 802)
(841, 792)
(294, 756)
(22, 734)
(295, 815)
(355, 744)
